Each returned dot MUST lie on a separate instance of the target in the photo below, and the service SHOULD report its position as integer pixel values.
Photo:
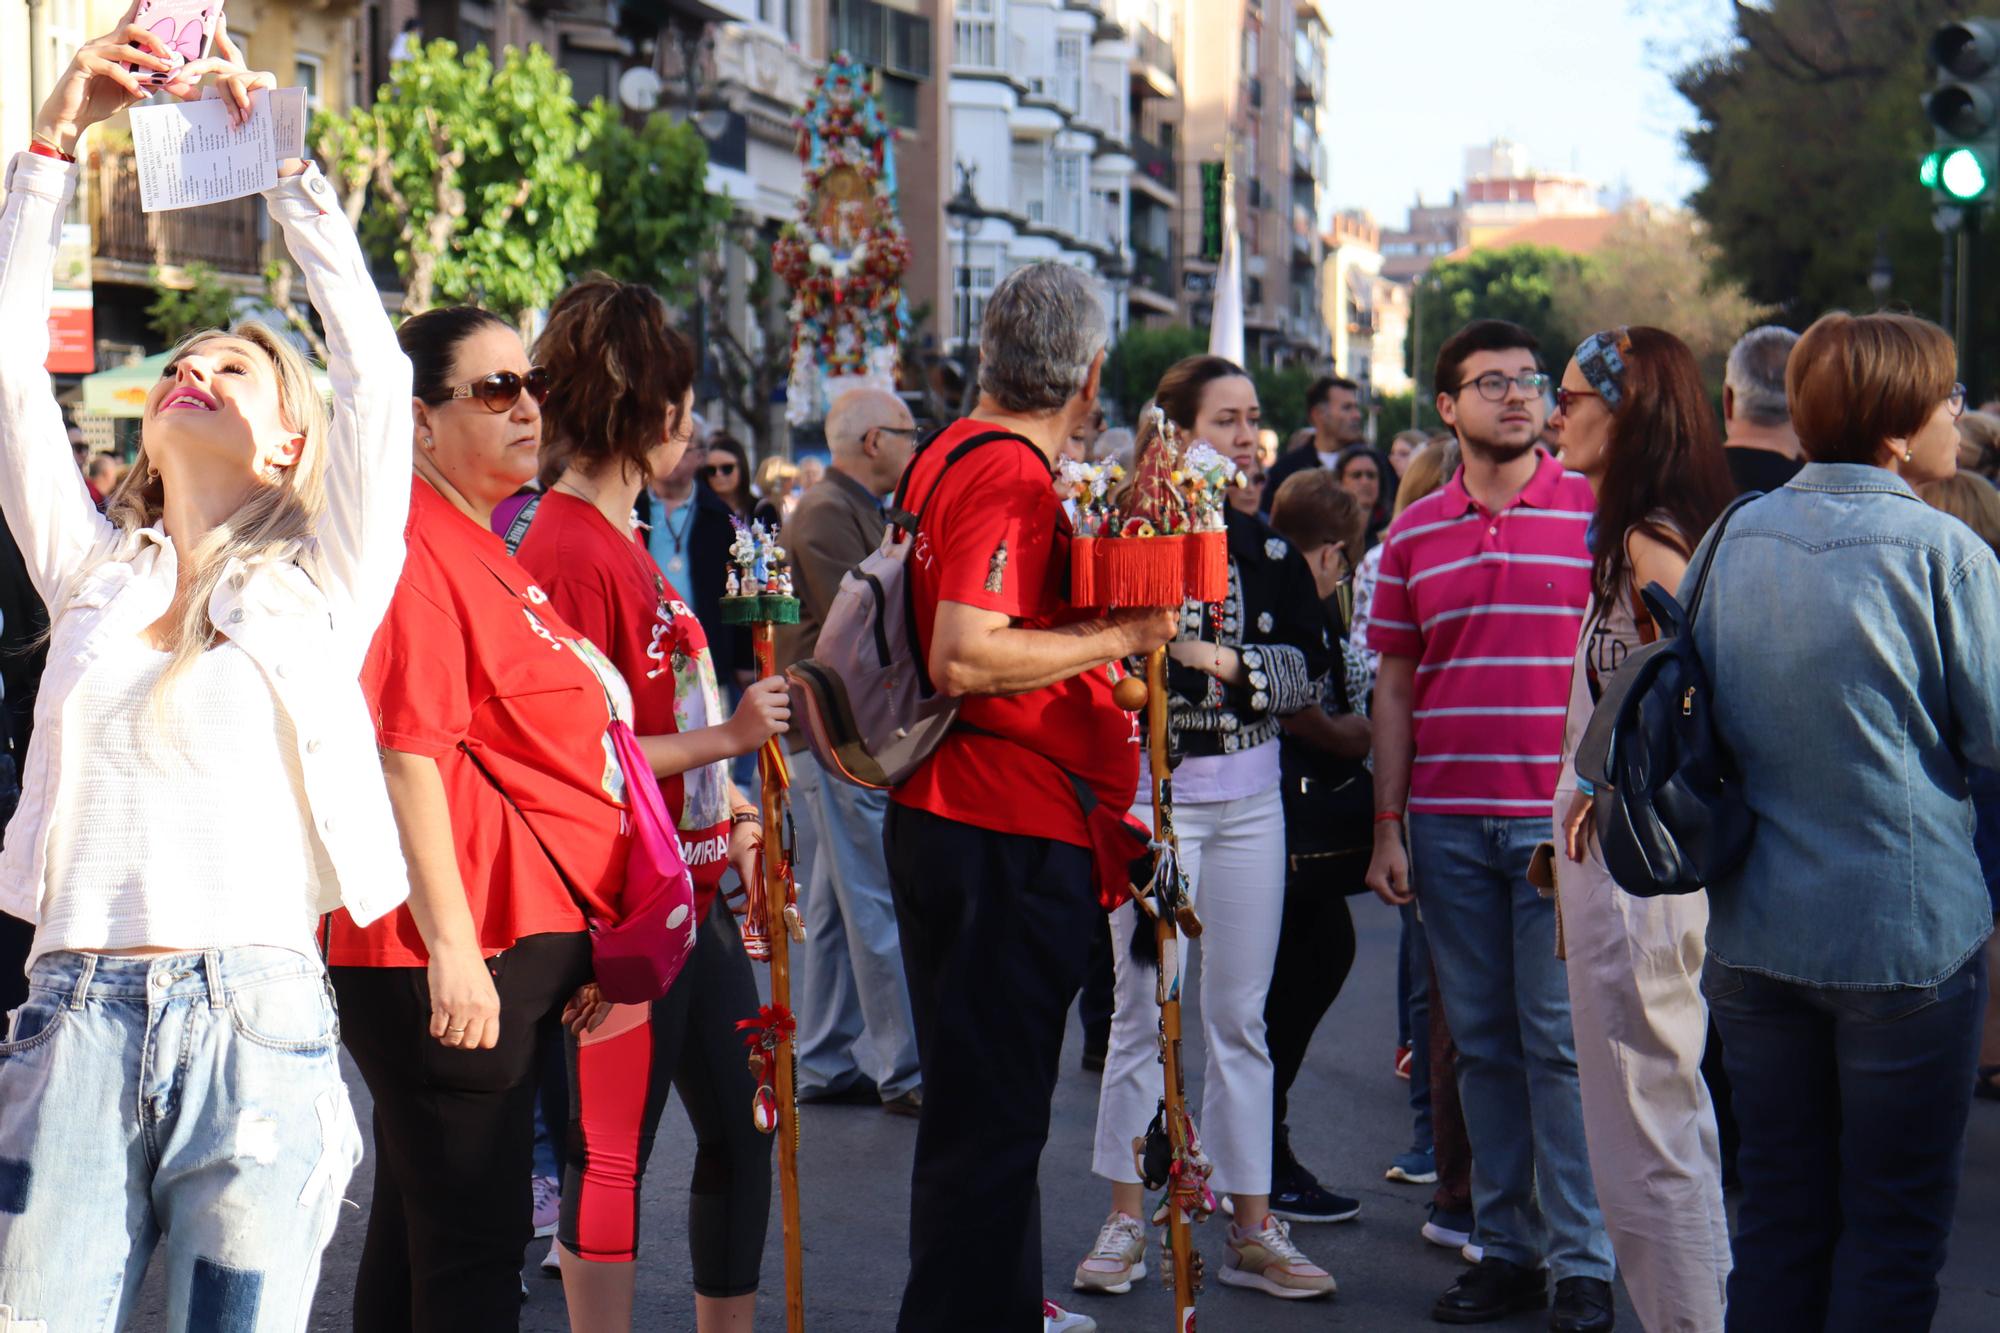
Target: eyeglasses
(1567, 398)
(1493, 385)
(1957, 400)
(910, 431)
(713, 470)
(499, 391)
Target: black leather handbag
(1329, 802)
(1668, 802)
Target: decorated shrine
(845, 254)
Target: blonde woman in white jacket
(205, 782)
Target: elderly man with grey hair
(995, 843)
(853, 961)
(1762, 451)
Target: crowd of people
(325, 753)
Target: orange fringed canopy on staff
(1161, 541)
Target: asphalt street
(1350, 1117)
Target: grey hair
(855, 413)
(1756, 374)
(1044, 327)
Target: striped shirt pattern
(1490, 606)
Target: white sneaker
(552, 1261)
(547, 1193)
(1267, 1261)
(1055, 1319)
(1117, 1260)
(1471, 1253)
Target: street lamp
(1117, 275)
(964, 208)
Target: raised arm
(46, 503)
(360, 544)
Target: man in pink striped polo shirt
(1476, 615)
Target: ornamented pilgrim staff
(759, 594)
(1167, 547)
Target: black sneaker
(1308, 1201)
(1490, 1291)
(1583, 1305)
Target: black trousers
(996, 932)
(454, 1141)
(1315, 954)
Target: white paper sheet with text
(189, 154)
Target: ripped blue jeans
(194, 1099)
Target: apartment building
(1253, 85)
(1041, 144)
(1367, 314)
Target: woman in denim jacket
(1853, 637)
(206, 783)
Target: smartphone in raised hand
(186, 27)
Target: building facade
(1367, 314)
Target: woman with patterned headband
(1634, 419)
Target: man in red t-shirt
(989, 857)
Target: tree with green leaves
(205, 302)
(657, 220)
(474, 176)
(1142, 356)
(1518, 283)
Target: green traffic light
(1927, 173)
(1962, 174)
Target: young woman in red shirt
(619, 414)
(491, 711)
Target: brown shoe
(910, 1103)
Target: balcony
(1155, 162)
(1308, 85)
(226, 237)
(1104, 108)
(1254, 91)
(1156, 61)
(1303, 162)
(1153, 271)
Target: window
(779, 14)
(1069, 71)
(1068, 193)
(885, 38)
(970, 286)
(1031, 182)
(306, 72)
(978, 35)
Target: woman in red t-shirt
(491, 712)
(620, 414)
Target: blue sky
(1582, 84)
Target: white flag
(1225, 329)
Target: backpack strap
(909, 523)
(1708, 560)
(517, 531)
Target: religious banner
(845, 254)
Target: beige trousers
(1640, 1025)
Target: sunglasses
(499, 391)
(712, 470)
(1568, 398)
(1957, 400)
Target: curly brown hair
(619, 373)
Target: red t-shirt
(610, 589)
(995, 536)
(471, 657)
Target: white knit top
(180, 822)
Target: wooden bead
(1129, 694)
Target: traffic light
(1963, 107)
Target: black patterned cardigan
(1273, 617)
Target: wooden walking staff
(759, 594)
(1160, 544)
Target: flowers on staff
(1089, 488)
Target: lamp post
(1117, 274)
(966, 210)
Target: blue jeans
(196, 1096)
(853, 956)
(1493, 938)
(1853, 1106)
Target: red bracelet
(40, 149)
(1389, 816)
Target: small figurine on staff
(758, 593)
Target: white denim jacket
(307, 623)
